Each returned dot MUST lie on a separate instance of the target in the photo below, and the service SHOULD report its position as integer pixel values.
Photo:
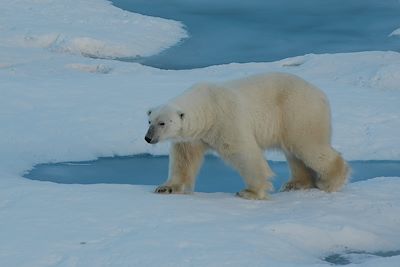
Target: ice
(266, 30)
(91, 68)
(395, 32)
(46, 224)
(90, 28)
(58, 104)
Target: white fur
(242, 118)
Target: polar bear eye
(161, 123)
(149, 122)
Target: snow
(45, 224)
(79, 27)
(395, 32)
(67, 106)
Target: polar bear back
(283, 108)
(276, 108)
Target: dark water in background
(358, 256)
(214, 176)
(264, 30)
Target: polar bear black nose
(150, 136)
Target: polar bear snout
(150, 138)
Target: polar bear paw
(296, 185)
(251, 195)
(169, 189)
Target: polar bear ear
(149, 112)
(181, 114)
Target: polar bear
(242, 118)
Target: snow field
(92, 28)
(112, 225)
(65, 106)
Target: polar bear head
(165, 123)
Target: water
(264, 30)
(214, 176)
(358, 256)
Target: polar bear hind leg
(302, 177)
(330, 167)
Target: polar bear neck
(199, 118)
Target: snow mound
(387, 77)
(395, 33)
(95, 68)
(86, 28)
(294, 61)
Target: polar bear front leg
(184, 163)
(255, 171)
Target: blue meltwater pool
(228, 31)
(214, 176)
